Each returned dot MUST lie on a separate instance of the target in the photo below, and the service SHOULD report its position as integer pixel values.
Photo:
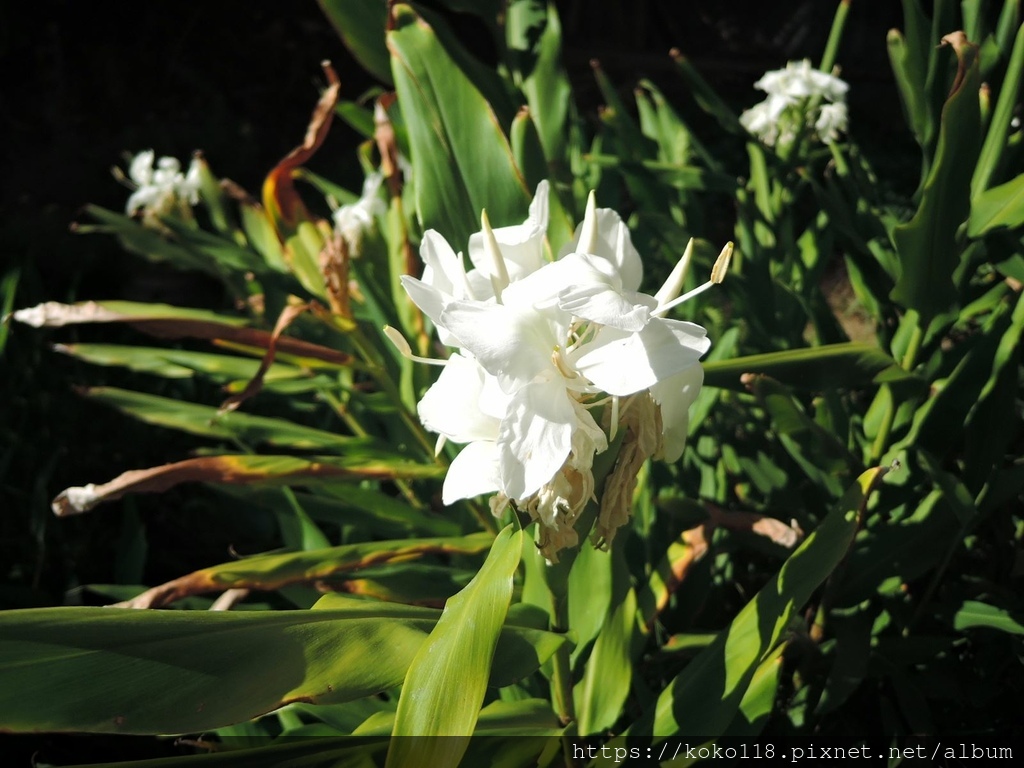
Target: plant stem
(828, 59)
(562, 678)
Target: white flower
(798, 96)
(161, 189)
(540, 345)
(352, 221)
(832, 120)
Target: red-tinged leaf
(280, 198)
(273, 571)
(238, 469)
(166, 321)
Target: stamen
(718, 273)
(588, 232)
(396, 338)
(721, 267)
(615, 419)
(499, 273)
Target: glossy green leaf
(704, 698)
(453, 132)
(926, 245)
(123, 671)
(1001, 206)
(444, 688)
(842, 366)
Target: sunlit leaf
(125, 671)
(445, 686)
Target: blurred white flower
(352, 221)
(161, 189)
(799, 96)
(541, 345)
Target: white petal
(622, 363)
(513, 344)
(522, 245)
(614, 245)
(473, 472)
(675, 395)
(428, 298)
(535, 437)
(601, 304)
(451, 407)
(141, 168)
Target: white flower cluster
(540, 345)
(798, 95)
(160, 189)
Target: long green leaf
(454, 133)
(445, 686)
(207, 421)
(105, 670)
(926, 245)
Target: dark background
(85, 84)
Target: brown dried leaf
(280, 197)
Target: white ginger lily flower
(540, 344)
(159, 190)
(798, 96)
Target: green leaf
(545, 84)
(926, 245)
(360, 24)
(975, 614)
(276, 570)
(122, 671)
(704, 698)
(444, 688)
(843, 366)
(1001, 206)
(993, 151)
(454, 133)
(208, 421)
(145, 241)
(608, 674)
(818, 452)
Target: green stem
(828, 59)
